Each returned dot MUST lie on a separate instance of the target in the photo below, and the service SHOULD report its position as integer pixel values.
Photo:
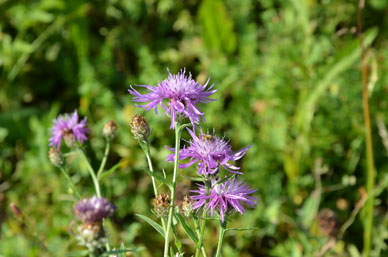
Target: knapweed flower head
(69, 128)
(209, 152)
(93, 210)
(140, 128)
(224, 197)
(162, 204)
(110, 129)
(178, 95)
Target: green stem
(371, 170)
(104, 159)
(67, 176)
(178, 132)
(146, 148)
(200, 240)
(92, 173)
(202, 231)
(221, 238)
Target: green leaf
(199, 179)
(152, 223)
(225, 179)
(189, 231)
(159, 177)
(110, 171)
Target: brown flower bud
(140, 128)
(162, 205)
(187, 206)
(110, 129)
(55, 157)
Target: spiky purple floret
(93, 210)
(209, 151)
(65, 124)
(177, 95)
(230, 195)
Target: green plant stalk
(146, 148)
(199, 246)
(198, 230)
(221, 238)
(178, 132)
(73, 187)
(104, 159)
(95, 179)
(371, 170)
(92, 173)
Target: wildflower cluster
(218, 196)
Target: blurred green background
(288, 74)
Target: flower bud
(187, 206)
(55, 157)
(140, 128)
(110, 129)
(162, 205)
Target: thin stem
(200, 239)
(146, 148)
(92, 173)
(202, 231)
(221, 238)
(67, 176)
(371, 170)
(178, 132)
(104, 159)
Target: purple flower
(67, 127)
(93, 210)
(209, 151)
(178, 95)
(224, 197)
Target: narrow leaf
(110, 171)
(193, 178)
(159, 177)
(226, 179)
(152, 223)
(189, 231)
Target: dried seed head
(162, 205)
(110, 129)
(328, 222)
(55, 157)
(187, 206)
(140, 128)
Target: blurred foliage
(289, 85)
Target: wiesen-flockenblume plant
(68, 127)
(178, 95)
(209, 151)
(225, 197)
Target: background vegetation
(288, 74)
